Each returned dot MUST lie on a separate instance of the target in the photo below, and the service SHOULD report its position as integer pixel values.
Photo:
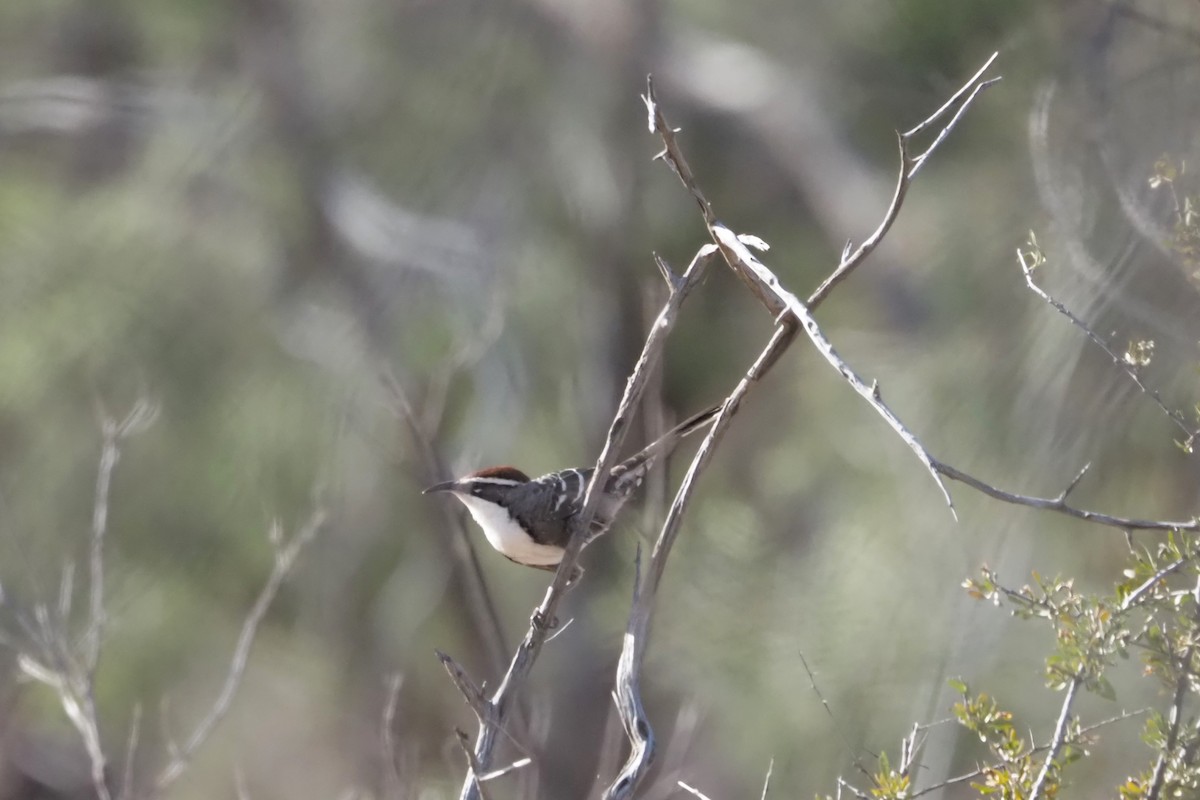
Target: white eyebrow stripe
(495, 481)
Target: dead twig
(285, 557)
(767, 780)
(637, 630)
(789, 313)
(531, 645)
(812, 681)
(392, 785)
(68, 670)
(1059, 505)
(1032, 259)
(482, 610)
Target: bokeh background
(248, 211)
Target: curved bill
(448, 486)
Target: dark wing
(550, 501)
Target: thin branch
(978, 771)
(854, 790)
(470, 692)
(1028, 263)
(735, 251)
(1060, 735)
(692, 790)
(671, 153)
(675, 755)
(850, 260)
(482, 609)
(530, 647)
(1060, 505)
(140, 417)
(1136, 595)
(467, 353)
(285, 558)
(1175, 715)
(954, 98)
(70, 672)
(131, 746)
(783, 304)
(945, 131)
(909, 167)
(474, 771)
(637, 630)
(812, 681)
(766, 286)
(520, 763)
(387, 739)
(767, 781)
(628, 695)
(109, 453)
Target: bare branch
(919, 161)
(513, 767)
(1059, 505)
(1060, 735)
(482, 610)
(530, 647)
(140, 417)
(108, 461)
(966, 87)
(788, 311)
(812, 680)
(70, 671)
(285, 558)
(851, 259)
(474, 771)
(692, 790)
(387, 738)
(1029, 261)
(735, 251)
(131, 746)
(766, 286)
(671, 153)
(637, 630)
(767, 781)
(470, 692)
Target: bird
(528, 520)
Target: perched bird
(529, 520)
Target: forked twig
(531, 645)
(789, 313)
(1059, 505)
(1029, 261)
(285, 557)
(637, 630)
(68, 670)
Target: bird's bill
(448, 486)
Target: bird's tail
(628, 475)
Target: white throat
(504, 534)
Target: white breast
(507, 536)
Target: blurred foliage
(246, 211)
